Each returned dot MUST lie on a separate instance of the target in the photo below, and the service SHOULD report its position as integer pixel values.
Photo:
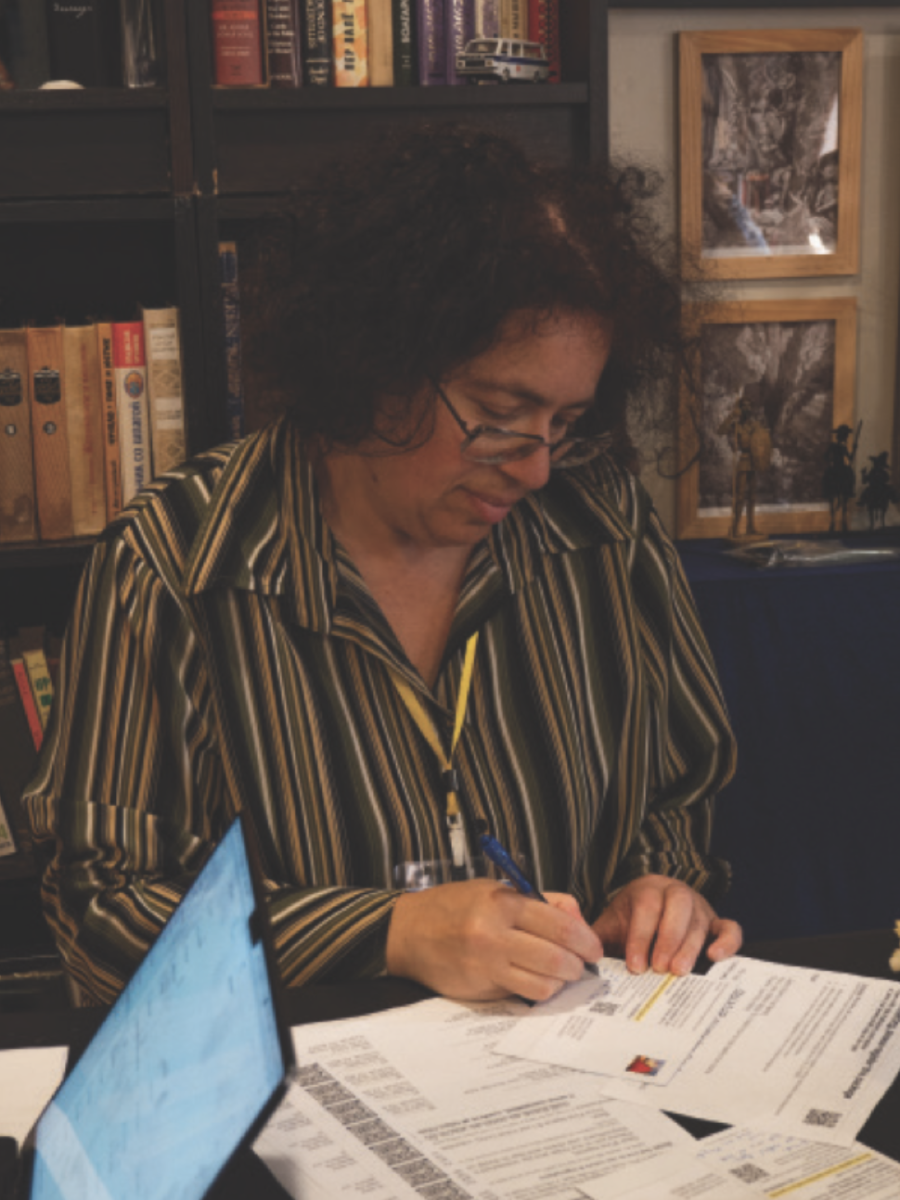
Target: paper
(28, 1078)
(385, 1103)
(809, 1052)
(742, 1163)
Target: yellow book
(84, 414)
(350, 43)
(38, 671)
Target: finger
(564, 902)
(729, 937)
(646, 909)
(564, 929)
(530, 985)
(682, 930)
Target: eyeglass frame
(595, 444)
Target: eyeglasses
(490, 444)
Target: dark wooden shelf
(125, 208)
(489, 96)
(82, 100)
(15, 555)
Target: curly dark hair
(405, 264)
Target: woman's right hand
(481, 940)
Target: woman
(288, 625)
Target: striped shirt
(225, 654)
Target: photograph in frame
(776, 380)
(770, 153)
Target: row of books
(379, 43)
(92, 43)
(28, 664)
(90, 413)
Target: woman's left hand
(677, 917)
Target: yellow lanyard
(426, 727)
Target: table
(864, 953)
(809, 660)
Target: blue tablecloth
(809, 659)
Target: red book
(543, 27)
(237, 43)
(26, 695)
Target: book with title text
(130, 367)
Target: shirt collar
(264, 531)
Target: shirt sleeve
(689, 743)
(131, 787)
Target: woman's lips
(491, 509)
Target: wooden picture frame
(771, 134)
(794, 363)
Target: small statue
(752, 444)
(839, 479)
(878, 491)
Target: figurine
(752, 444)
(839, 480)
(878, 491)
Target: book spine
(317, 42)
(165, 389)
(41, 683)
(403, 14)
(49, 432)
(111, 450)
(142, 42)
(83, 41)
(237, 38)
(18, 756)
(514, 19)
(84, 414)
(29, 57)
(283, 43)
(231, 307)
(487, 18)
(543, 27)
(432, 42)
(7, 844)
(131, 403)
(460, 18)
(18, 515)
(25, 694)
(381, 43)
(350, 43)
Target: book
(84, 414)
(26, 54)
(49, 432)
(7, 844)
(487, 18)
(381, 43)
(460, 19)
(143, 62)
(130, 366)
(543, 27)
(231, 308)
(165, 388)
(283, 43)
(83, 40)
(111, 450)
(404, 41)
(26, 695)
(316, 31)
(514, 19)
(31, 639)
(237, 40)
(18, 513)
(350, 43)
(432, 38)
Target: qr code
(822, 1119)
(749, 1173)
(605, 1008)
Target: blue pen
(502, 859)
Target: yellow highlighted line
(666, 983)
(844, 1166)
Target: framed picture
(782, 373)
(771, 128)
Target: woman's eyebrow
(523, 392)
